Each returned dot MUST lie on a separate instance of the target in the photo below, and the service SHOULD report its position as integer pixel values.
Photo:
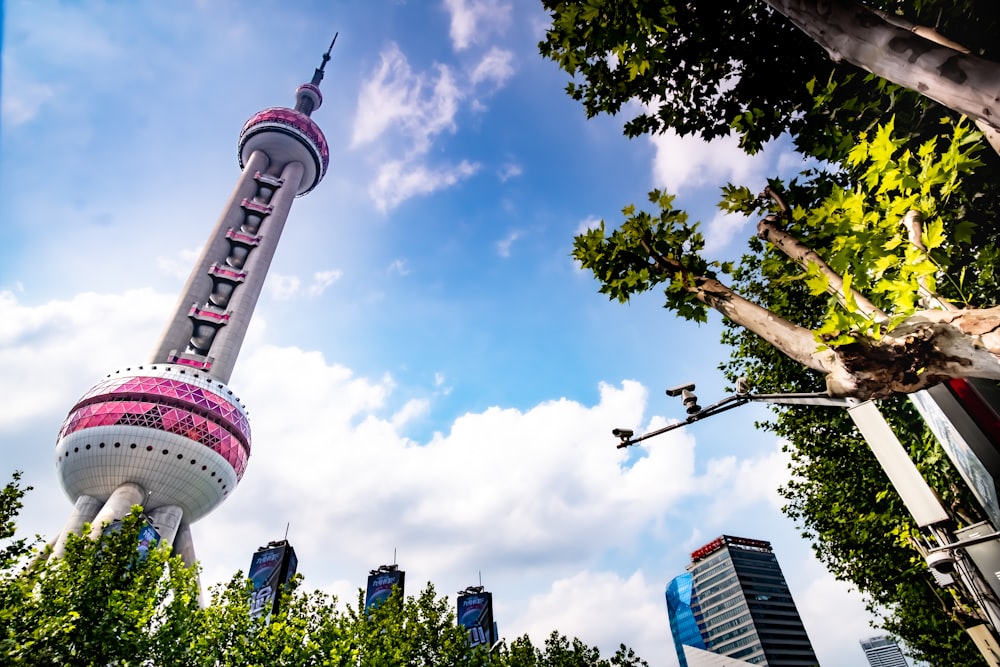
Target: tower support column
(84, 511)
(184, 547)
(118, 505)
(166, 520)
(184, 544)
(199, 285)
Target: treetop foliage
(104, 604)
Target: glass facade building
(683, 625)
(883, 652)
(733, 601)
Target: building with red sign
(733, 601)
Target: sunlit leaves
(866, 240)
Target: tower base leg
(184, 547)
(84, 511)
(166, 520)
(118, 505)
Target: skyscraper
(883, 652)
(169, 434)
(733, 601)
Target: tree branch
(794, 341)
(768, 230)
(914, 223)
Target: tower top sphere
(287, 135)
(290, 135)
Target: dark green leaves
(647, 250)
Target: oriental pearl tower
(169, 434)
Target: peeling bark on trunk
(850, 31)
(928, 348)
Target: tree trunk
(927, 348)
(850, 31)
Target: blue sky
(427, 371)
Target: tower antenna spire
(318, 74)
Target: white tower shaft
(214, 309)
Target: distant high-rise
(733, 601)
(169, 434)
(883, 652)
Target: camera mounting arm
(741, 397)
(728, 403)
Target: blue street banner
(475, 614)
(380, 585)
(270, 568)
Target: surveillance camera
(690, 402)
(941, 561)
(742, 386)
(676, 391)
(623, 433)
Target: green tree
(102, 603)
(558, 651)
(105, 604)
(12, 550)
(734, 65)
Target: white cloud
(179, 265)
(473, 19)
(335, 451)
(396, 97)
(504, 245)
(399, 180)
(753, 480)
(496, 67)
(405, 111)
(606, 609)
(410, 411)
(322, 280)
(53, 352)
(509, 171)
(588, 223)
(398, 266)
(831, 628)
(22, 100)
(286, 288)
(283, 288)
(691, 161)
(792, 162)
(439, 385)
(721, 229)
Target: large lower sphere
(178, 433)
